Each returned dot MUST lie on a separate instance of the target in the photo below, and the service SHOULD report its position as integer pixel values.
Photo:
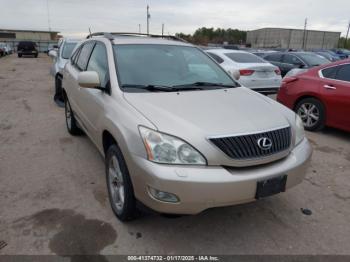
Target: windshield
(167, 66)
(313, 59)
(67, 50)
(244, 58)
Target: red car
(320, 96)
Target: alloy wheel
(116, 183)
(309, 114)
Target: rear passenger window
(344, 73)
(274, 57)
(84, 55)
(98, 63)
(244, 58)
(216, 57)
(330, 72)
(292, 60)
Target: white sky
(74, 17)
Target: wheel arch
(108, 140)
(302, 97)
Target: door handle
(330, 87)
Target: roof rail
(111, 35)
(107, 35)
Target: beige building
(34, 35)
(292, 38)
(42, 38)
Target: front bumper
(203, 187)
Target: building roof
(280, 28)
(20, 30)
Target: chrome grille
(246, 146)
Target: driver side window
(98, 62)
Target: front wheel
(71, 122)
(312, 113)
(120, 189)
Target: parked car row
(5, 49)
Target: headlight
(166, 149)
(299, 130)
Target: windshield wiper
(204, 84)
(150, 87)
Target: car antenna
(90, 31)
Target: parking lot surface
(53, 196)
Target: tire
(119, 185)
(36, 56)
(312, 112)
(59, 97)
(19, 55)
(71, 122)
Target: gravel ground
(53, 195)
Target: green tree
(203, 36)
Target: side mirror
(235, 74)
(55, 46)
(53, 53)
(89, 79)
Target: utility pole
(162, 29)
(148, 18)
(139, 28)
(304, 35)
(48, 15)
(346, 38)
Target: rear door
(336, 92)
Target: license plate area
(271, 186)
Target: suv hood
(209, 113)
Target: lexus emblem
(264, 143)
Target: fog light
(163, 196)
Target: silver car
(60, 58)
(178, 134)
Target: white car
(7, 48)
(60, 57)
(255, 73)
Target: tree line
(203, 36)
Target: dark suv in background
(287, 61)
(27, 48)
